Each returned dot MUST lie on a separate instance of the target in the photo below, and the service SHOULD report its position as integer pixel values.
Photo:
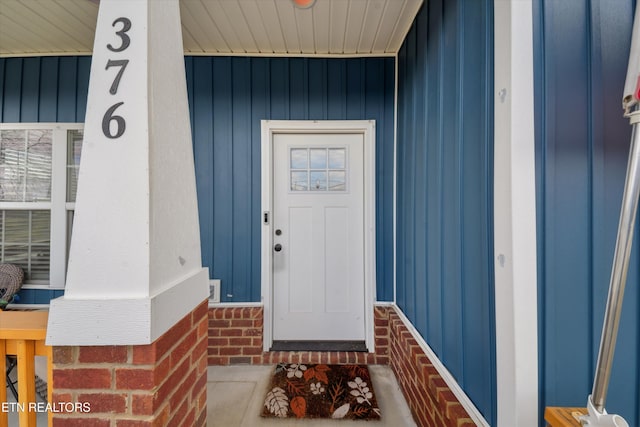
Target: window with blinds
(38, 179)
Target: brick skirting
(160, 384)
(431, 401)
(235, 337)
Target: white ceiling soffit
(221, 27)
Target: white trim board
(515, 216)
(367, 129)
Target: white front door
(318, 237)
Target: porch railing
(22, 334)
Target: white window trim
(58, 205)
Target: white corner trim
(451, 382)
(395, 175)
(515, 262)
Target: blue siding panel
(298, 90)
(84, 69)
(241, 179)
(444, 200)
(3, 63)
(48, 101)
(223, 190)
(67, 90)
(259, 109)
(420, 191)
(12, 90)
(202, 130)
(30, 90)
(336, 89)
(37, 296)
(434, 216)
(475, 162)
(581, 51)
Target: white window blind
(38, 179)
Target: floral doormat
(321, 391)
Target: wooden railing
(22, 334)
(564, 417)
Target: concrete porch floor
(235, 395)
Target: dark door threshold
(319, 346)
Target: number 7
(122, 63)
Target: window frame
(58, 205)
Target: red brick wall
(431, 401)
(235, 336)
(160, 384)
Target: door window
(318, 169)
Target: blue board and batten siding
(227, 98)
(444, 190)
(582, 144)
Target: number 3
(126, 41)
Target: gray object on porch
(11, 278)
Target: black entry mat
(319, 346)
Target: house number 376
(110, 117)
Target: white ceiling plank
(304, 24)
(240, 27)
(53, 36)
(10, 45)
(205, 31)
(218, 16)
(256, 24)
(271, 21)
(83, 10)
(321, 13)
(339, 11)
(34, 40)
(53, 21)
(405, 20)
(370, 26)
(287, 19)
(59, 17)
(392, 11)
(355, 19)
(189, 44)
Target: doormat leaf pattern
(321, 391)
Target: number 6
(106, 122)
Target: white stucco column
(515, 216)
(135, 265)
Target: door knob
(277, 247)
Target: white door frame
(367, 129)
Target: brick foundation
(431, 401)
(160, 384)
(235, 337)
